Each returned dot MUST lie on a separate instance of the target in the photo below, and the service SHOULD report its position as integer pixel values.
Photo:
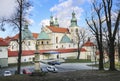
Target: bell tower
(74, 28)
(73, 20)
(51, 21)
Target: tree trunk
(118, 45)
(20, 52)
(112, 56)
(101, 67)
(20, 37)
(100, 48)
(119, 52)
(78, 52)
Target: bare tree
(81, 37)
(96, 27)
(17, 20)
(112, 27)
(112, 30)
(118, 43)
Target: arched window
(0, 50)
(42, 42)
(47, 42)
(76, 30)
(24, 60)
(69, 45)
(38, 42)
(62, 46)
(12, 47)
(28, 43)
(56, 39)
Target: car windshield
(7, 72)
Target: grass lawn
(22, 64)
(107, 65)
(117, 65)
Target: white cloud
(7, 7)
(63, 11)
(29, 21)
(44, 22)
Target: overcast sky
(42, 10)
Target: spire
(56, 22)
(26, 25)
(51, 21)
(73, 20)
(26, 33)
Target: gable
(65, 39)
(88, 43)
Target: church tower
(73, 20)
(74, 28)
(51, 21)
(56, 23)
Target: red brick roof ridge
(31, 52)
(58, 29)
(3, 42)
(89, 43)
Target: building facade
(3, 53)
(51, 39)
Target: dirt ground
(86, 75)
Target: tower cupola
(51, 21)
(56, 22)
(73, 20)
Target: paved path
(72, 66)
(64, 67)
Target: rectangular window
(12, 47)
(28, 43)
(0, 50)
(56, 39)
(47, 42)
(38, 42)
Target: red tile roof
(35, 35)
(58, 30)
(88, 43)
(31, 52)
(2, 42)
(16, 36)
(69, 50)
(8, 39)
(15, 53)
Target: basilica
(52, 42)
(50, 38)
